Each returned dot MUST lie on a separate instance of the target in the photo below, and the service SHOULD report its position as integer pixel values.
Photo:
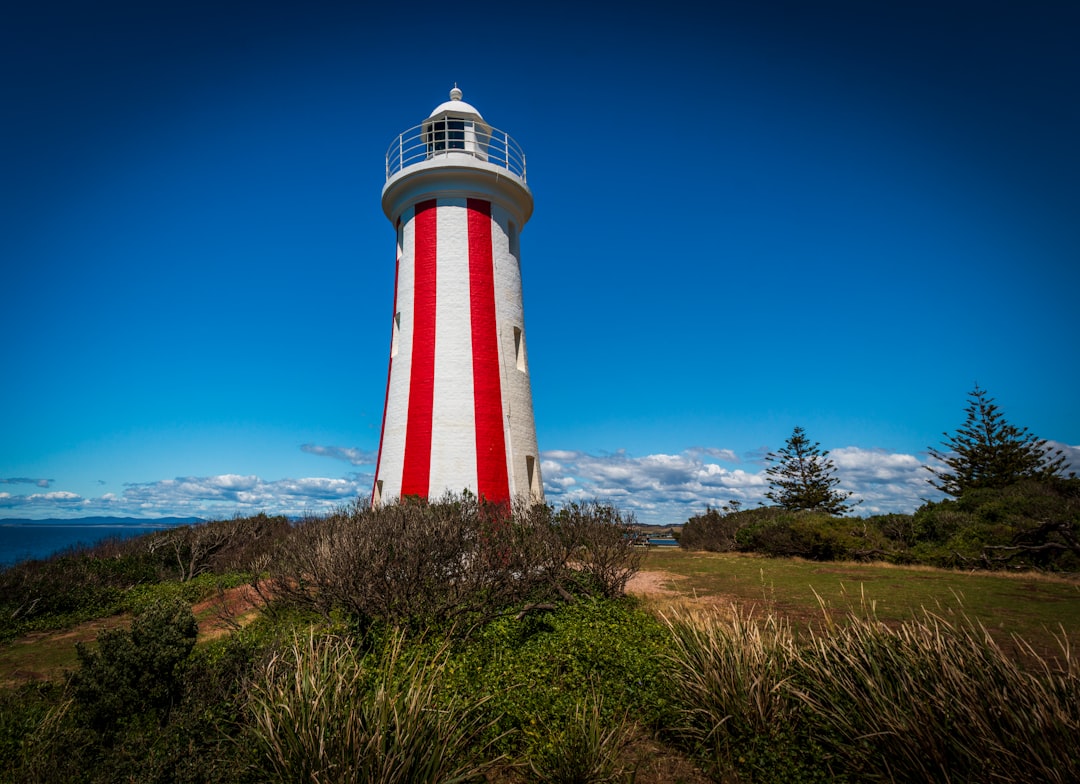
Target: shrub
(824, 538)
(215, 547)
(135, 672)
(1028, 524)
(721, 532)
(455, 562)
(776, 535)
(814, 535)
(596, 541)
(711, 531)
(537, 667)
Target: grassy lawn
(1032, 606)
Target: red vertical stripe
(416, 474)
(492, 481)
(390, 368)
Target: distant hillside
(112, 521)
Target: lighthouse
(458, 413)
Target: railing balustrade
(445, 137)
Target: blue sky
(837, 215)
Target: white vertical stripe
(453, 448)
(516, 389)
(392, 459)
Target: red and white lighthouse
(458, 412)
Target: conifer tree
(801, 476)
(987, 451)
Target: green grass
(1032, 606)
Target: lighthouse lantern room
(458, 412)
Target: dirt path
(42, 656)
(666, 594)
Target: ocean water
(24, 541)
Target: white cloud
(351, 455)
(211, 497)
(885, 481)
(1072, 455)
(670, 488)
(658, 488)
(24, 480)
(726, 455)
(57, 495)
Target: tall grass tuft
(325, 713)
(588, 749)
(728, 677)
(933, 700)
(926, 700)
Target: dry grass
(925, 700)
(324, 712)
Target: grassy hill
(716, 666)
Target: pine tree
(801, 476)
(989, 452)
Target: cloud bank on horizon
(659, 489)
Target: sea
(24, 540)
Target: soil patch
(669, 594)
(44, 656)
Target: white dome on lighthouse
(457, 107)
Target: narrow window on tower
(436, 137)
(394, 336)
(456, 134)
(512, 236)
(519, 350)
(533, 472)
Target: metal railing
(433, 139)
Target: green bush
(65, 590)
(536, 670)
(827, 538)
(138, 672)
(727, 532)
(778, 532)
(712, 531)
(1028, 524)
(117, 574)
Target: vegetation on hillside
(1012, 506)
(503, 651)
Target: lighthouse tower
(458, 410)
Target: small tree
(801, 476)
(988, 452)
